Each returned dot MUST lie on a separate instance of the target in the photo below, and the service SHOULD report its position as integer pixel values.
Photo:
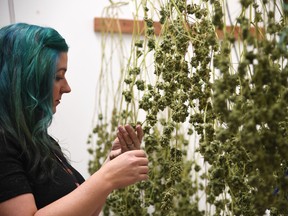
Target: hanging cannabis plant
(214, 110)
(249, 157)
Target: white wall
(74, 20)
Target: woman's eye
(58, 78)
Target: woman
(35, 177)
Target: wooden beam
(126, 26)
(123, 26)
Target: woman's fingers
(140, 153)
(129, 138)
(133, 136)
(124, 146)
(140, 134)
(128, 168)
(143, 170)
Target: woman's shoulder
(7, 144)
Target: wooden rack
(126, 26)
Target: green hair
(28, 62)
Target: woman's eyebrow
(62, 69)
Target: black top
(15, 181)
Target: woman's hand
(128, 168)
(127, 139)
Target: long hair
(28, 60)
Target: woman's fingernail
(120, 128)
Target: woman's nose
(66, 88)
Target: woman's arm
(126, 134)
(88, 199)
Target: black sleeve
(13, 180)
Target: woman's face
(61, 85)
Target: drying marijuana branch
(224, 100)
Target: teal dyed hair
(28, 61)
